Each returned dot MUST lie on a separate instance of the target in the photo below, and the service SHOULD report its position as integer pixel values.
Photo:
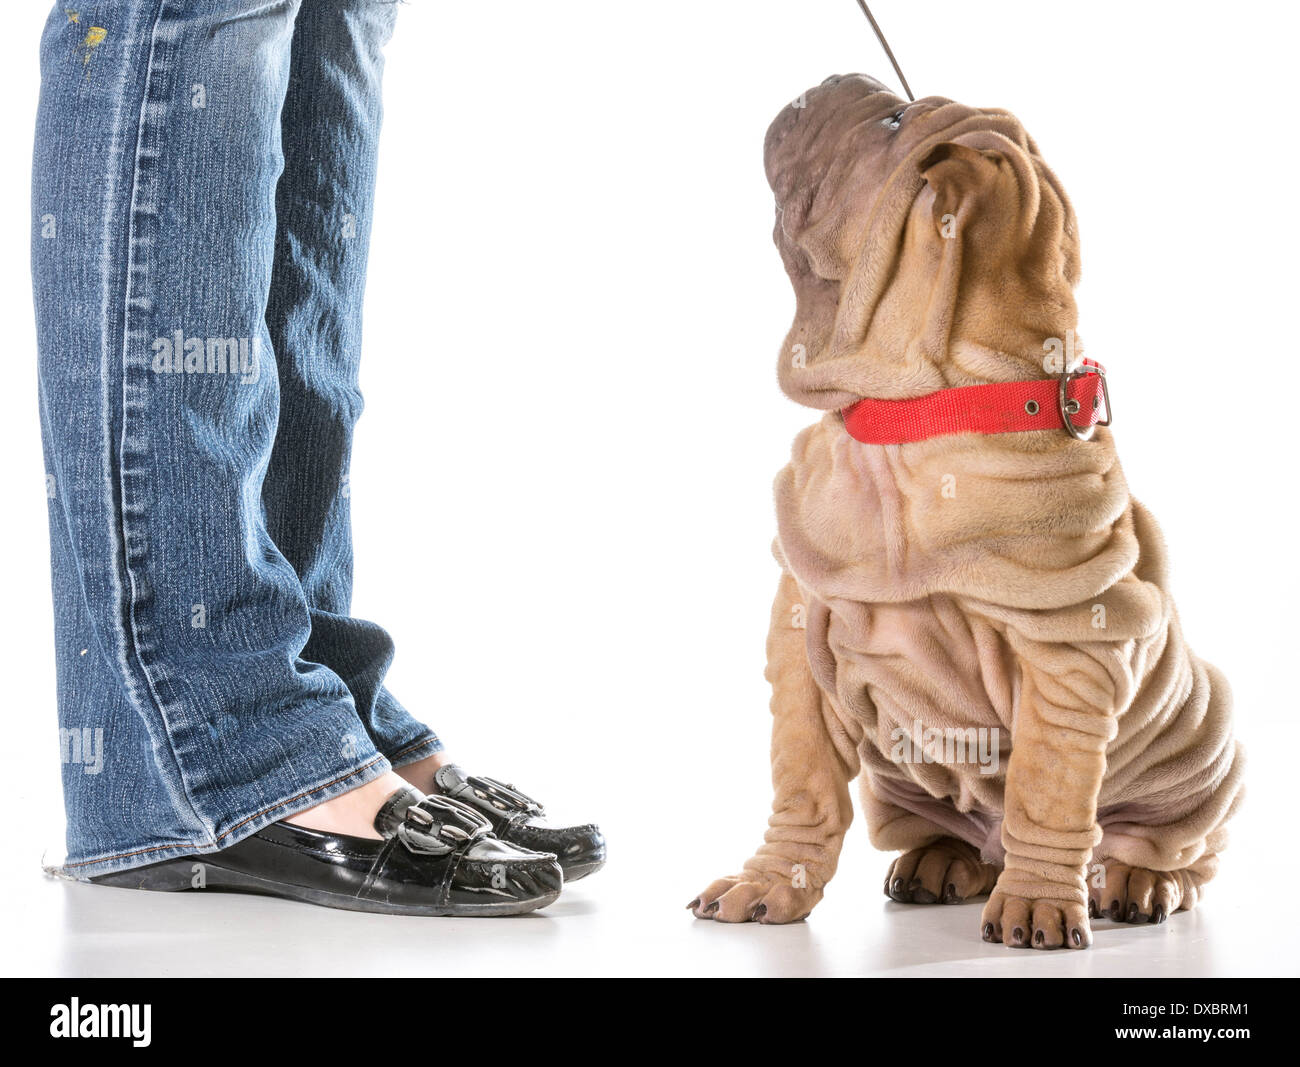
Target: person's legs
(191, 716)
(324, 209)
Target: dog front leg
(784, 879)
(1058, 758)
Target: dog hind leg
(945, 871)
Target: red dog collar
(1072, 402)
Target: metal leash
(885, 45)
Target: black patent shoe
(437, 857)
(519, 819)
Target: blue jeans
(202, 192)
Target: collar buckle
(1069, 406)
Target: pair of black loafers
(476, 847)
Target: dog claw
(1018, 936)
(1160, 914)
(950, 894)
(693, 904)
(988, 932)
(1094, 912)
(921, 895)
(1039, 937)
(759, 912)
(711, 908)
(1076, 937)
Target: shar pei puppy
(973, 613)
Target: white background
(562, 482)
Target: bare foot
(351, 813)
(420, 773)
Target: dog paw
(945, 871)
(1019, 922)
(753, 897)
(1136, 895)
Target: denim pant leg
(324, 206)
(189, 716)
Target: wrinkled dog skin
(1002, 583)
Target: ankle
(351, 814)
(420, 773)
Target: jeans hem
(144, 855)
(417, 750)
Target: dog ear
(959, 175)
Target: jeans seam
(129, 593)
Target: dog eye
(894, 121)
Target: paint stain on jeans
(94, 38)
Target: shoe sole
(176, 876)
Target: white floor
(622, 921)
